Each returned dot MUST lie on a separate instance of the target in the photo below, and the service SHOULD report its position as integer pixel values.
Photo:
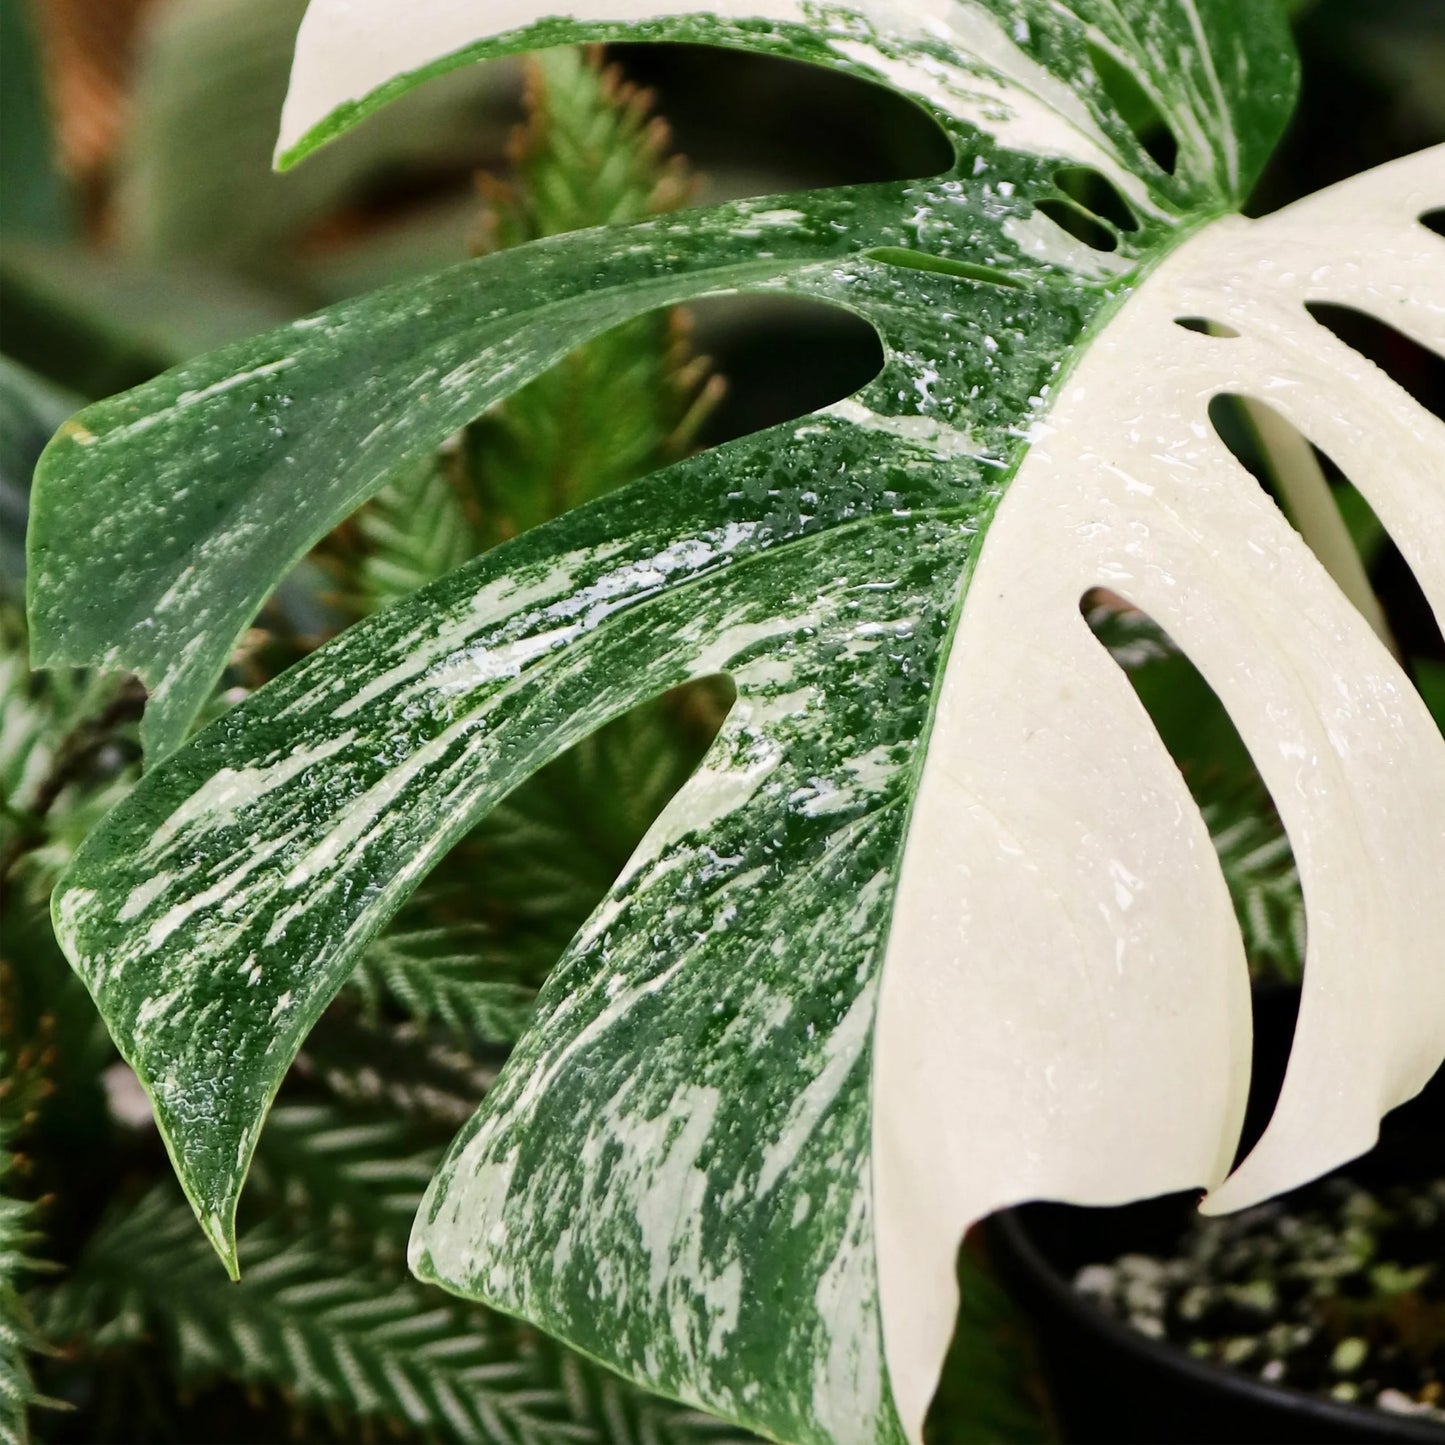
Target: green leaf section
(304, 424)
(681, 1139)
(37, 206)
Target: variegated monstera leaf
(935, 927)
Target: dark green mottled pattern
(672, 1172)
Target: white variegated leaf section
(349, 50)
(1064, 1011)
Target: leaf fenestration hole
(1335, 521)
(1434, 221)
(1205, 327)
(782, 358)
(1250, 841)
(943, 266)
(802, 125)
(1097, 194)
(1420, 371)
(1136, 108)
(511, 894)
(1082, 225)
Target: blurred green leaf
(96, 323)
(195, 178)
(30, 411)
(1430, 679)
(36, 203)
(1366, 530)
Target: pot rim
(1010, 1228)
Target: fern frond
(590, 153)
(64, 758)
(616, 1413)
(1254, 853)
(19, 1236)
(18, 1336)
(336, 1336)
(331, 1334)
(452, 976)
(27, 724)
(1259, 867)
(415, 531)
(396, 1069)
(358, 1179)
(550, 851)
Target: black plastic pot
(1112, 1384)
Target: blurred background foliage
(140, 224)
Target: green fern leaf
(431, 1085)
(1259, 868)
(18, 1337)
(357, 1177)
(63, 761)
(334, 1334)
(415, 531)
(372, 1343)
(631, 400)
(1255, 856)
(20, 1083)
(615, 1412)
(449, 977)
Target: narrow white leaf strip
(348, 50)
(1064, 1010)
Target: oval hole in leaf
(790, 125)
(1096, 193)
(1080, 224)
(1136, 108)
(1205, 327)
(781, 359)
(1420, 371)
(1334, 519)
(1253, 848)
(498, 910)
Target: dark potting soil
(1339, 1291)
